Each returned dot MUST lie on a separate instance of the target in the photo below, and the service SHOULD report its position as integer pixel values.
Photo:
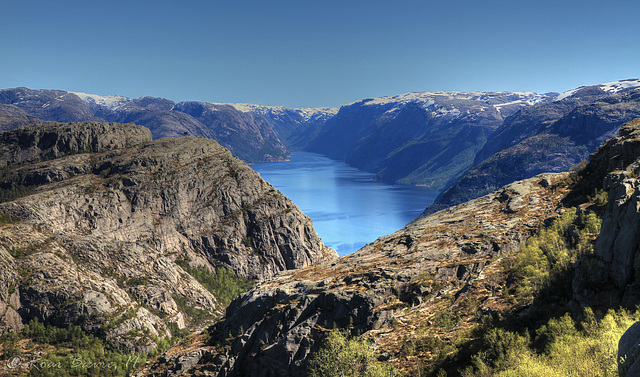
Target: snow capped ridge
(610, 87)
(116, 102)
(450, 103)
(525, 97)
(306, 113)
(112, 102)
(616, 86)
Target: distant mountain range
(249, 131)
(465, 144)
(425, 139)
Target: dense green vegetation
(563, 347)
(548, 256)
(11, 184)
(345, 356)
(224, 284)
(75, 353)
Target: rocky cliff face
(610, 276)
(106, 218)
(384, 290)
(51, 140)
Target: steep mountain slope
(251, 132)
(418, 138)
(295, 127)
(548, 137)
(12, 117)
(153, 113)
(244, 134)
(52, 105)
(103, 228)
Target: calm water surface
(348, 209)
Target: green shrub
(562, 347)
(551, 252)
(198, 316)
(224, 284)
(138, 280)
(176, 332)
(503, 347)
(344, 356)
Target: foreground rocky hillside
(106, 229)
(386, 290)
(436, 293)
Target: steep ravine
(105, 213)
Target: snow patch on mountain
(111, 102)
(441, 99)
(567, 94)
(616, 86)
(275, 111)
(610, 87)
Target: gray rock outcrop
(52, 140)
(109, 212)
(610, 276)
(629, 352)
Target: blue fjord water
(348, 209)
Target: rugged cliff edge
(611, 277)
(99, 220)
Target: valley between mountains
(133, 229)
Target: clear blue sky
(315, 53)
